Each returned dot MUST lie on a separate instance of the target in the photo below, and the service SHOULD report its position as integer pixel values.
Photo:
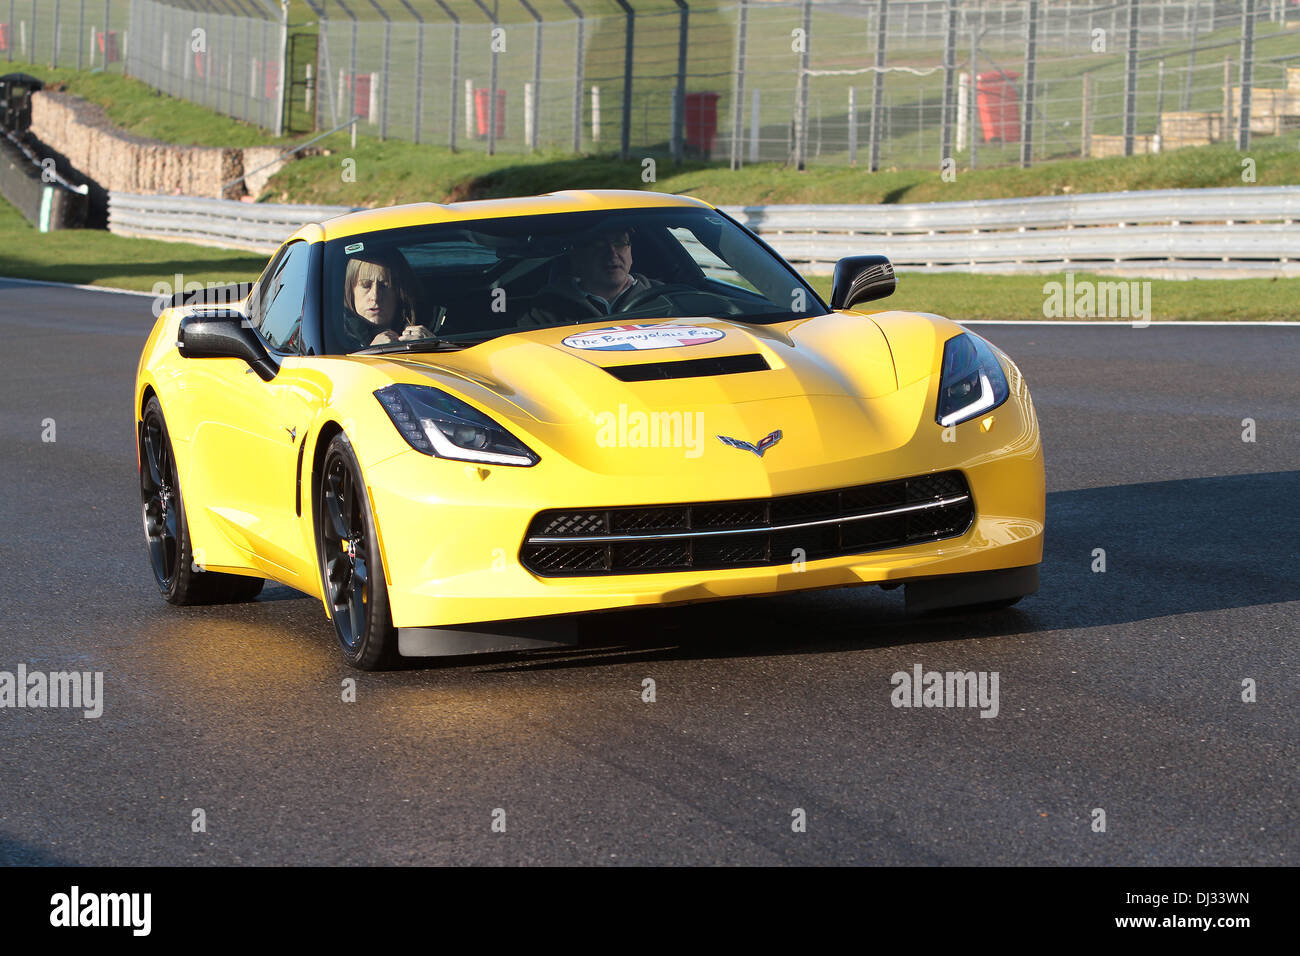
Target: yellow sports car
(458, 425)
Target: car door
(248, 443)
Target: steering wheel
(677, 293)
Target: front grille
(756, 532)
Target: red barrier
(701, 121)
(481, 101)
(999, 106)
(359, 84)
(108, 50)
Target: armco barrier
(1187, 231)
(258, 227)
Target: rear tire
(171, 553)
(352, 570)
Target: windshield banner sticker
(628, 338)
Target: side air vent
(691, 368)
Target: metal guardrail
(1253, 229)
(1171, 206)
(257, 227)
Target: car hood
(830, 388)
(559, 375)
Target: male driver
(602, 282)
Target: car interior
(459, 276)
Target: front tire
(171, 553)
(352, 570)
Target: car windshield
(456, 284)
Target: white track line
(73, 285)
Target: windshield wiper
(415, 345)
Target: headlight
(972, 381)
(435, 423)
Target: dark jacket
(564, 302)
(357, 333)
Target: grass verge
(97, 257)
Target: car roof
(428, 213)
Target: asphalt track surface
(1118, 690)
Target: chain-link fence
(226, 62)
(875, 83)
(76, 34)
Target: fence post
(419, 68)
(801, 91)
(1227, 98)
(963, 111)
(1160, 98)
(595, 114)
(326, 69)
(753, 128)
(878, 84)
(1031, 64)
(679, 91)
(282, 85)
(492, 97)
(949, 72)
(352, 73)
(1086, 120)
(974, 124)
(853, 128)
(534, 113)
(419, 79)
(738, 89)
(1130, 80)
(577, 79)
(529, 97)
(383, 107)
(492, 82)
(1247, 72)
(230, 77)
(261, 99)
(1191, 56)
(629, 40)
(455, 73)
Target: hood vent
(690, 368)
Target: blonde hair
(398, 276)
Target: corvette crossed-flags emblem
(762, 446)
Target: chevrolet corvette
(459, 426)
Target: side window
(710, 263)
(278, 312)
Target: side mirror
(225, 334)
(862, 279)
